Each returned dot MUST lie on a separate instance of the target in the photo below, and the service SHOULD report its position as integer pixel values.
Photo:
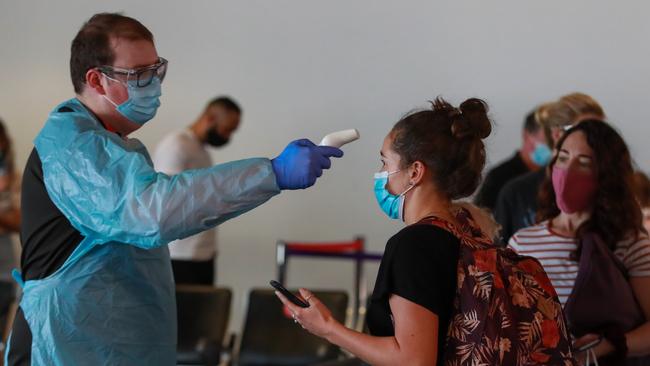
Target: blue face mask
(392, 205)
(143, 102)
(541, 155)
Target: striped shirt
(554, 253)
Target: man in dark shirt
(517, 202)
(534, 153)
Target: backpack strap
(467, 233)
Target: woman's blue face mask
(392, 205)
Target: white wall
(305, 68)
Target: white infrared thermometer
(340, 138)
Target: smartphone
(293, 298)
(589, 345)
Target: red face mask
(574, 191)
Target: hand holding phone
(590, 345)
(290, 296)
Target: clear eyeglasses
(142, 76)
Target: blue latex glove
(301, 162)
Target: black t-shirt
(46, 235)
(419, 264)
(517, 203)
(496, 178)
(47, 238)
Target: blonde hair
(567, 110)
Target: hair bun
(472, 120)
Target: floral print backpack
(506, 311)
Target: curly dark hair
(642, 189)
(448, 141)
(616, 215)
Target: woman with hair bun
(429, 159)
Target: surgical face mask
(215, 139)
(541, 155)
(392, 205)
(574, 190)
(143, 102)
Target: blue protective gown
(112, 302)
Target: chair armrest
(228, 350)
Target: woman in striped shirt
(589, 190)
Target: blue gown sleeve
(108, 189)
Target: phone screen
(293, 298)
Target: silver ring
(295, 321)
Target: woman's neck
(567, 224)
(423, 201)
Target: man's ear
(94, 81)
(417, 171)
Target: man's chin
(126, 127)
(132, 128)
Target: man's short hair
(92, 47)
(225, 102)
(530, 123)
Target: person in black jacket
(533, 154)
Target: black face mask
(215, 139)
(3, 163)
